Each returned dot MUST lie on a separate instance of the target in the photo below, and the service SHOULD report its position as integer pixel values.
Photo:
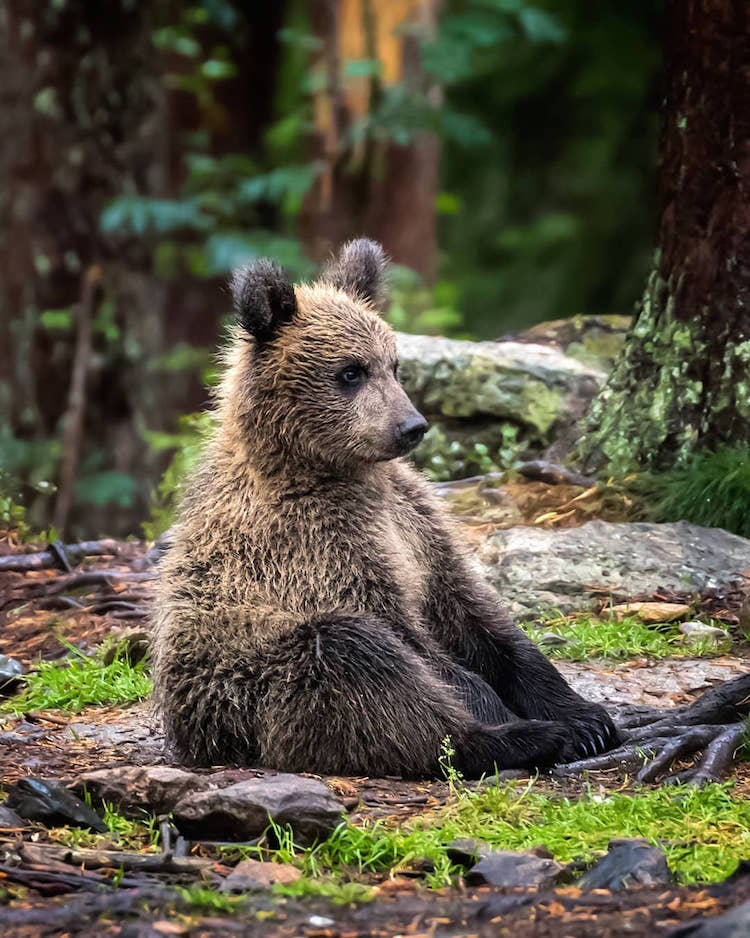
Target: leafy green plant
(588, 636)
(186, 446)
(442, 460)
(80, 682)
(711, 489)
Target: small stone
(9, 818)
(242, 811)
(255, 874)
(131, 788)
(10, 675)
(700, 630)
(552, 641)
(467, 850)
(512, 869)
(628, 863)
(320, 921)
(51, 803)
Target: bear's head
(313, 377)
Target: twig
(553, 474)
(76, 409)
(44, 559)
(114, 859)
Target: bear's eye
(352, 376)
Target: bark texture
(375, 185)
(682, 382)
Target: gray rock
(536, 569)
(467, 850)
(242, 811)
(552, 641)
(733, 924)
(534, 386)
(511, 869)
(698, 630)
(131, 788)
(51, 803)
(9, 818)
(628, 863)
(10, 675)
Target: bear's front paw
(591, 732)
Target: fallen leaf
(651, 612)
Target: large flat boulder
(537, 387)
(536, 570)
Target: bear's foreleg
(469, 623)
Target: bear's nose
(409, 433)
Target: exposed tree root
(712, 726)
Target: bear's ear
(264, 298)
(360, 270)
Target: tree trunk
(375, 187)
(682, 382)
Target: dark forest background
(504, 152)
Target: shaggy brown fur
(316, 610)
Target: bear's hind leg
(342, 695)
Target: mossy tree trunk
(682, 382)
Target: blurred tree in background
(501, 150)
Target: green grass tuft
(712, 489)
(80, 682)
(337, 892)
(140, 835)
(205, 899)
(588, 636)
(703, 832)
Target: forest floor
(44, 612)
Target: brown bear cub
(316, 610)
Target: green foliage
(81, 682)
(555, 214)
(140, 835)
(12, 515)
(704, 832)
(186, 445)
(204, 899)
(339, 893)
(442, 460)
(711, 489)
(422, 310)
(588, 636)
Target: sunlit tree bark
(371, 184)
(683, 380)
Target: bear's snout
(409, 433)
